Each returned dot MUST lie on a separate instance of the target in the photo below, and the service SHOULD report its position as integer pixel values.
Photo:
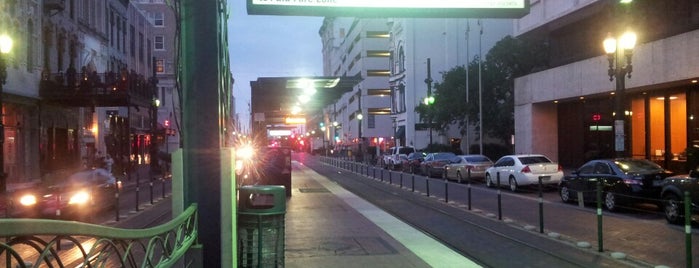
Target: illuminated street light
(619, 55)
(360, 153)
(429, 100)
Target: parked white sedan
(521, 170)
(458, 168)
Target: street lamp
(619, 55)
(5, 47)
(154, 150)
(322, 129)
(429, 100)
(360, 152)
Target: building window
(378, 34)
(163, 90)
(378, 53)
(133, 41)
(118, 33)
(140, 47)
(398, 99)
(401, 60)
(160, 66)
(371, 121)
(661, 107)
(159, 43)
(159, 19)
(378, 72)
(378, 92)
(392, 62)
(111, 28)
(123, 37)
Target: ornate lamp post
(619, 54)
(5, 47)
(154, 138)
(154, 150)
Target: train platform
(328, 226)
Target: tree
(508, 59)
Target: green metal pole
(201, 73)
(468, 181)
(600, 243)
(541, 206)
(688, 227)
(413, 183)
(499, 198)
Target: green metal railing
(53, 243)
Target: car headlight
(79, 198)
(27, 200)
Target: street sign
(392, 8)
(619, 135)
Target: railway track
(482, 239)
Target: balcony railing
(96, 89)
(41, 243)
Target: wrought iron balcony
(96, 89)
(38, 243)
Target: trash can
(261, 210)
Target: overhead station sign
(392, 8)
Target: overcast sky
(270, 46)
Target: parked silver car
(459, 166)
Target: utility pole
(468, 124)
(480, 89)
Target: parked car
(521, 170)
(672, 194)
(624, 181)
(392, 159)
(412, 164)
(433, 164)
(459, 166)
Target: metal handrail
(37, 242)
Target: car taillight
(526, 169)
(560, 168)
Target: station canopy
(392, 8)
(273, 98)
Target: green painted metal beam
(203, 69)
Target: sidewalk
(327, 226)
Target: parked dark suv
(673, 195)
